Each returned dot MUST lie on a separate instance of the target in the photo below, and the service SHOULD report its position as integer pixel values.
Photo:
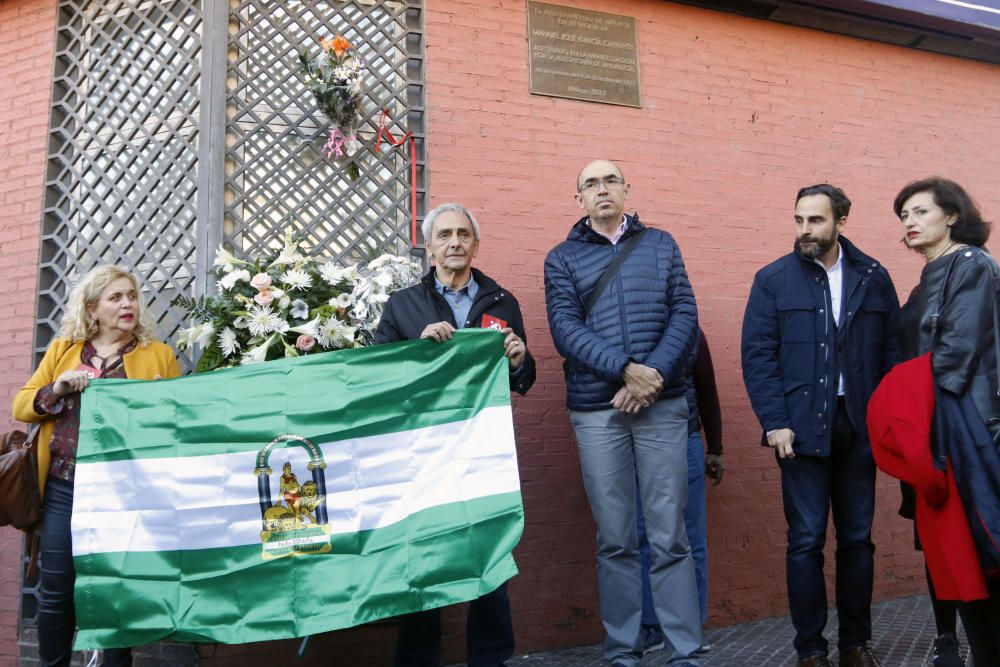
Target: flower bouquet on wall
(334, 79)
(288, 304)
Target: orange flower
(340, 46)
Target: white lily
(289, 253)
(226, 260)
(310, 328)
(257, 354)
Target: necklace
(942, 253)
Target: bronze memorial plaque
(582, 54)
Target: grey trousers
(616, 450)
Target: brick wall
(737, 115)
(26, 42)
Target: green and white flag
(295, 497)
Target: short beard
(820, 247)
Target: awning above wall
(967, 29)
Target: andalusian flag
(295, 497)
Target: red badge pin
(495, 323)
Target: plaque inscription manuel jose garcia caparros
(582, 54)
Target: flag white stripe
(206, 502)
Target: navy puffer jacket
(647, 314)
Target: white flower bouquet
(289, 304)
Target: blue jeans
(695, 522)
(619, 452)
(489, 634)
(56, 614)
(810, 487)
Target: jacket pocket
(797, 318)
(793, 385)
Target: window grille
(121, 183)
(277, 178)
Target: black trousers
(489, 634)
(981, 620)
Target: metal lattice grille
(277, 178)
(121, 183)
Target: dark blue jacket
(647, 314)
(960, 436)
(793, 352)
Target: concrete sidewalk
(903, 631)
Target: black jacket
(409, 310)
(963, 347)
(793, 353)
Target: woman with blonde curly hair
(105, 333)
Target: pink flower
(305, 343)
(261, 282)
(335, 144)
(265, 296)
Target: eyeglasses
(592, 185)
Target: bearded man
(817, 339)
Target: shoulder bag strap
(610, 272)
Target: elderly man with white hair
(453, 295)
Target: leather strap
(610, 272)
(937, 300)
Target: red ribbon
(383, 130)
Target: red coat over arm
(899, 425)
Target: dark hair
(969, 227)
(839, 202)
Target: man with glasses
(625, 328)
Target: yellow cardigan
(146, 362)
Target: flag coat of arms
(295, 497)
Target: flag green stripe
(441, 556)
(368, 391)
